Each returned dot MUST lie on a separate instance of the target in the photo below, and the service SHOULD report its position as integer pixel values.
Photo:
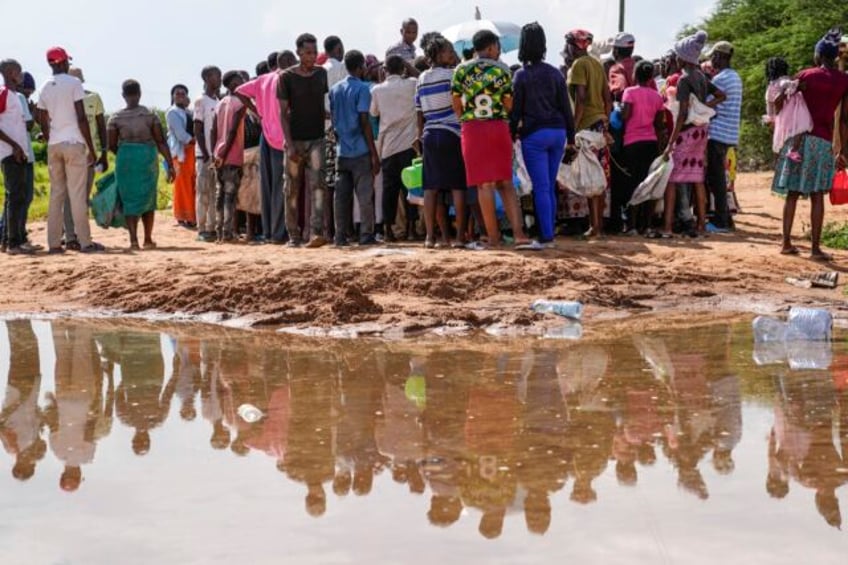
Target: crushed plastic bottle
(809, 324)
(564, 308)
(250, 413)
(572, 331)
(806, 356)
(769, 330)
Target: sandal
(790, 251)
(659, 235)
(429, 244)
(150, 245)
(529, 246)
(73, 246)
(475, 246)
(93, 248)
(821, 257)
(56, 251)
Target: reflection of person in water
(214, 395)
(20, 418)
(590, 421)
(490, 432)
(187, 372)
(543, 458)
(446, 384)
(309, 456)
(359, 394)
(142, 403)
(802, 443)
(74, 410)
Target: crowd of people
(469, 428)
(323, 140)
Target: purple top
(541, 101)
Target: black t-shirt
(306, 100)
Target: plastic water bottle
(572, 331)
(809, 324)
(250, 413)
(770, 353)
(564, 308)
(815, 356)
(769, 330)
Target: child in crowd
(229, 155)
(358, 160)
(439, 134)
(784, 105)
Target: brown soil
(618, 279)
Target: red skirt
(487, 151)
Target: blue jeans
(543, 151)
(271, 173)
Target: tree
(760, 29)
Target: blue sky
(162, 42)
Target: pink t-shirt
(263, 91)
(225, 114)
(645, 103)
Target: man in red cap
(70, 151)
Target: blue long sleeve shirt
(541, 101)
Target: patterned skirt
(812, 173)
(690, 156)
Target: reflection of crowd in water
(495, 432)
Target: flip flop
(530, 246)
(791, 251)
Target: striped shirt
(433, 98)
(724, 128)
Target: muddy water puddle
(131, 443)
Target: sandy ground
(624, 282)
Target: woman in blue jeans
(543, 120)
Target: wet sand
(623, 282)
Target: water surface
(123, 444)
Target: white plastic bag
(585, 174)
(699, 113)
(653, 187)
(525, 183)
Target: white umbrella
(462, 34)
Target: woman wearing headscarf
(688, 142)
(181, 144)
(135, 134)
(824, 87)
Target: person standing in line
(688, 142)
(15, 161)
(96, 114)
(482, 99)
(393, 104)
(723, 133)
(440, 145)
(28, 86)
(405, 48)
(135, 136)
(590, 93)
(70, 151)
(181, 143)
(260, 97)
(228, 142)
(643, 113)
(336, 72)
(301, 92)
(543, 120)
(204, 108)
(824, 87)
(359, 162)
